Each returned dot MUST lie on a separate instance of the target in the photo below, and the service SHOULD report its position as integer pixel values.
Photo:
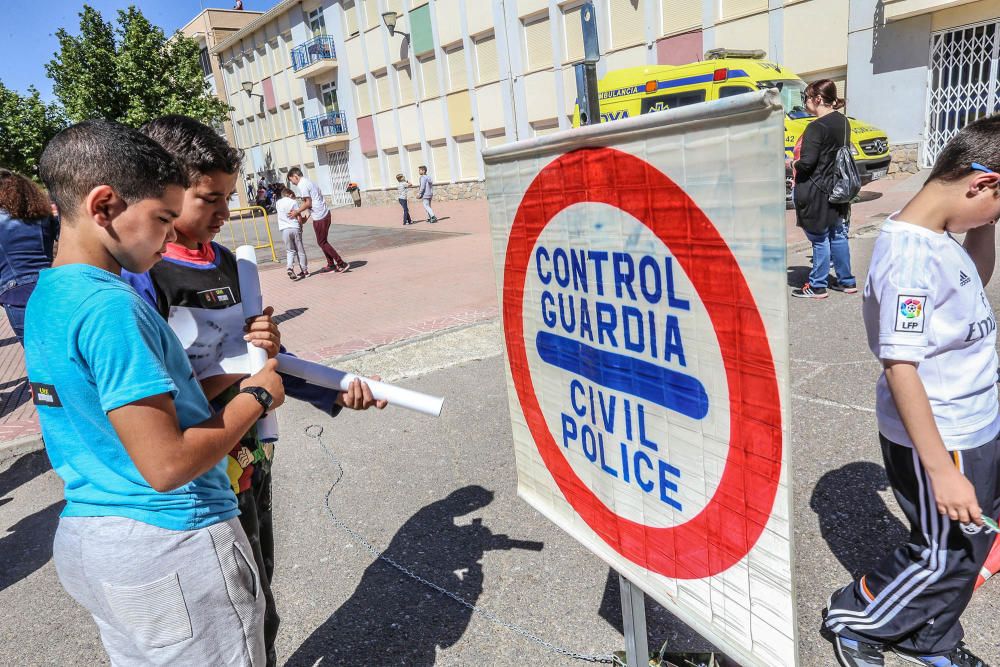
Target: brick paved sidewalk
(405, 282)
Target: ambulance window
(730, 91)
(684, 99)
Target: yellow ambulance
(724, 72)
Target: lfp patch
(910, 313)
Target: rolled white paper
(331, 378)
(253, 305)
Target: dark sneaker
(958, 657)
(808, 292)
(291, 275)
(852, 653)
(342, 267)
(846, 289)
(303, 275)
(433, 220)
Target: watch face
(264, 396)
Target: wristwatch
(262, 395)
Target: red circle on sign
(725, 531)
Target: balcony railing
(327, 125)
(313, 51)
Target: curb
(25, 444)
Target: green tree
(26, 125)
(131, 72)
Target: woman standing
(28, 231)
(824, 224)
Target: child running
(931, 326)
(148, 542)
(291, 233)
(197, 282)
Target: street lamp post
(248, 89)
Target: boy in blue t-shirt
(148, 542)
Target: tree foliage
(130, 72)
(26, 125)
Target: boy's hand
(262, 332)
(359, 396)
(956, 497)
(269, 379)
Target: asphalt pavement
(439, 495)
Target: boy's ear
(103, 205)
(984, 181)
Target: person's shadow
(848, 506)
(393, 617)
(27, 545)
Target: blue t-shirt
(92, 345)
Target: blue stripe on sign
(673, 390)
(701, 78)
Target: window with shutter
(487, 62)
(382, 87)
(350, 17)
(628, 22)
(372, 16)
(392, 160)
(457, 79)
(538, 43)
(429, 76)
(734, 8)
(374, 172)
(680, 15)
(405, 79)
(442, 164)
(468, 158)
(415, 157)
(364, 101)
(574, 35)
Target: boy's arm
(953, 492)
(980, 243)
(168, 457)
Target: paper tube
(325, 376)
(250, 297)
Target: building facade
(333, 92)
(210, 28)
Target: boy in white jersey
(931, 326)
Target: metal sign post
(586, 72)
(634, 623)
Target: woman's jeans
(831, 244)
(15, 315)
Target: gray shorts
(165, 597)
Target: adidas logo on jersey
(963, 279)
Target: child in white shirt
(291, 234)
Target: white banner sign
(641, 271)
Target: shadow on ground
(289, 314)
(394, 619)
(848, 506)
(27, 545)
(19, 393)
(661, 626)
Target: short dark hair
(294, 171)
(424, 167)
(100, 152)
(286, 192)
(196, 146)
(976, 142)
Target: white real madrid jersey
(924, 302)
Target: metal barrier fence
(253, 217)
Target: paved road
(440, 496)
